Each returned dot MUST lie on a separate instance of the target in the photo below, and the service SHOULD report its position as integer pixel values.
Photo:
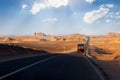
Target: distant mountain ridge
(44, 37)
(112, 34)
(71, 37)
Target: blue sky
(24, 17)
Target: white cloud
(118, 23)
(57, 3)
(37, 7)
(98, 22)
(118, 17)
(50, 20)
(92, 16)
(114, 15)
(108, 20)
(117, 13)
(24, 6)
(107, 5)
(110, 5)
(74, 13)
(90, 1)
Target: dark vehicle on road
(81, 48)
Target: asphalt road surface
(49, 67)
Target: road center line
(95, 69)
(26, 67)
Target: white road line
(96, 69)
(26, 67)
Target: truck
(80, 47)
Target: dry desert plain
(105, 52)
(104, 49)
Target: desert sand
(105, 52)
(104, 49)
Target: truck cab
(80, 48)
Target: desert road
(49, 67)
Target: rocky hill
(71, 37)
(108, 35)
(112, 34)
(42, 37)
